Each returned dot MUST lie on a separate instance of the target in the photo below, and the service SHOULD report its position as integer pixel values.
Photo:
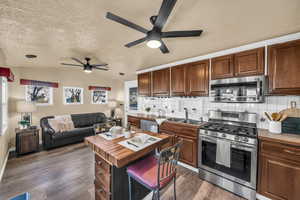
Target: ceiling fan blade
(193, 33)
(77, 60)
(125, 22)
(71, 64)
(100, 65)
(101, 68)
(136, 42)
(164, 12)
(163, 47)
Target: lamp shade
(112, 104)
(25, 107)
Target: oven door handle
(233, 144)
(243, 147)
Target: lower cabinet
(188, 153)
(189, 136)
(279, 171)
(134, 122)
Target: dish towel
(223, 156)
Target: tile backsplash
(198, 107)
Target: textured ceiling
(57, 29)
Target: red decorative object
(99, 88)
(39, 83)
(7, 73)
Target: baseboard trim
(261, 197)
(4, 164)
(188, 167)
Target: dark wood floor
(67, 174)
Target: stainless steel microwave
(238, 90)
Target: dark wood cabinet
(27, 141)
(222, 67)
(134, 122)
(161, 82)
(197, 78)
(188, 150)
(144, 84)
(279, 171)
(248, 63)
(189, 135)
(178, 80)
(284, 68)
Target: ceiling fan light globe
(88, 71)
(154, 44)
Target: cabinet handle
(291, 152)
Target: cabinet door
(279, 179)
(222, 67)
(197, 78)
(284, 68)
(178, 76)
(161, 82)
(250, 62)
(188, 151)
(144, 84)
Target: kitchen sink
(182, 120)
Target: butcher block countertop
(290, 139)
(118, 155)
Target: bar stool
(156, 172)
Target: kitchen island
(111, 161)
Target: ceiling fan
(87, 67)
(154, 36)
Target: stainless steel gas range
(228, 152)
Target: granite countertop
(291, 139)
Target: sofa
(83, 124)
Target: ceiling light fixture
(154, 44)
(88, 71)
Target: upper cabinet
(144, 84)
(222, 67)
(161, 82)
(284, 68)
(246, 63)
(197, 77)
(249, 63)
(178, 83)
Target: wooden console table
(111, 160)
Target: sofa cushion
(89, 119)
(86, 131)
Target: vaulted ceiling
(57, 29)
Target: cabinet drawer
(280, 150)
(101, 164)
(188, 131)
(100, 192)
(134, 121)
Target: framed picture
(133, 94)
(99, 96)
(40, 95)
(73, 95)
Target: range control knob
(224, 135)
(245, 139)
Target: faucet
(186, 114)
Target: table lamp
(26, 109)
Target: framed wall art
(72, 95)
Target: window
(3, 106)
